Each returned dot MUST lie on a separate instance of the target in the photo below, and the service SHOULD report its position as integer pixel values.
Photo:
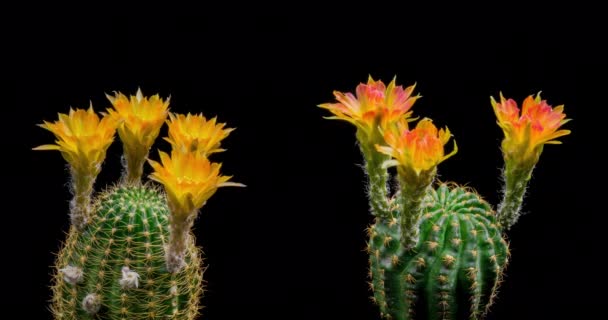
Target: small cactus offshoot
(130, 252)
(438, 252)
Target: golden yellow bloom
(525, 134)
(374, 105)
(189, 180)
(420, 149)
(140, 119)
(82, 139)
(194, 133)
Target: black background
(290, 245)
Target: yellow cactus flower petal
(140, 119)
(526, 133)
(420, 149)
(194, 133)
(190, 179)
(373, 105)
(82, 138)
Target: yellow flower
(525, 134)
(140, 117)
(82, 139)
(420, 149)
(373, 105)
(194, 133)
(189, 180)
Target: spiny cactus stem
(80, 206)
(413, 188)
(178, 239)
(516, 177)
(378, 177)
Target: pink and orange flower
(420, 149)
(374, 104)
(526, 133)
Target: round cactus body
(454, 270)
(115, 268)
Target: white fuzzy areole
(130, 279)
(91, 303)
(72, 275)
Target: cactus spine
(130, 253)
(437, 253)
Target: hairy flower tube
(194, 133)
(83, 139)
(525, 135)
(140, 119)
(190, 179)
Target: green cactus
(437, 253)
(115, 268)
(130, 253)
(460, 256)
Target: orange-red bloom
(526, 133)
(420, 149)
(374, 104)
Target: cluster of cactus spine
(437, 253)
(130, 253)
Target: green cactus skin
(455, 268)
(129, 228)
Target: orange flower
(194, 133)
(82, 139)
(420, 149)
(374, 104)
(189, 180)
(525, 134)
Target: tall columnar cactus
(130, 252)
(437, 252)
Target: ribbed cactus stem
(80, 206)
(413, 189)
(455, 268)
(516, 178)
(115, 268)
(378, 177)
(179, 233)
